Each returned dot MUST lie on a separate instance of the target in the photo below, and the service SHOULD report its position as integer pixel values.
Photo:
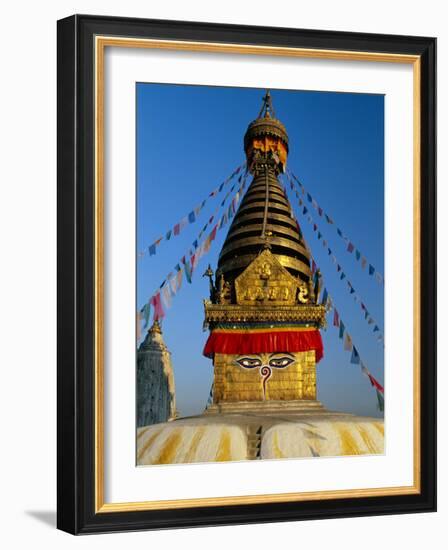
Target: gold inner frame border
(100, 44)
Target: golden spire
(264, 218)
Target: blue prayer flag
(355, 356)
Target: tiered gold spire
(264, 218)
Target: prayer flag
(363, 262)
(324, 296)
(145, 313)
(191, 217)
(309, 197)
(168, 235)
(341, 329)
(177, 229)
(166, 295)
(336, 318)
(380, 399)
(371, 269)
(152, 250)
(213, 233)
(350, 247)
(179, 279)
(137, 326)
(355, 356)
(157, 305)
(223, 221)
(348, 342)
(358, 254)
(187, 271)
(375, 383)
(320, 211)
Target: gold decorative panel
(266, 281)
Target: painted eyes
(275, 362)
(249, 362)
(280, 362)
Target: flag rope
(349, 244)
(173, 281)
(367, 316)
(349, 346)
(355, 358)
(189, 218)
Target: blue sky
(189, 139)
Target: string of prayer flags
(355, 357)
(191, 217)
(173, 281)
(378, 387)
(342, 275)
(349, 244)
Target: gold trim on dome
(100, 45)
(259, 241)
(243, 261)
(276, 230)
(313, 314)
(275, 217)
(260, 204)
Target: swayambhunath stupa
(264, 313)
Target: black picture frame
(76, 253)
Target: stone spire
(155, 380)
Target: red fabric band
(264, 342)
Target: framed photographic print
(246, 274)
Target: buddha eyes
(276, 362)
(249, 362)
(280, 362)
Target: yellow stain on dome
(191, 453)
(380, 427)
(168, 451)
(348, 443)
(223, 453)
(367, 440)
(147, 444)
(276, 448)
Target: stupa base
(301, 406)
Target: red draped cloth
(236, 342)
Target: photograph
(260, 274)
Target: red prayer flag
(336, 318)
(157, 305)
(375, 383)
